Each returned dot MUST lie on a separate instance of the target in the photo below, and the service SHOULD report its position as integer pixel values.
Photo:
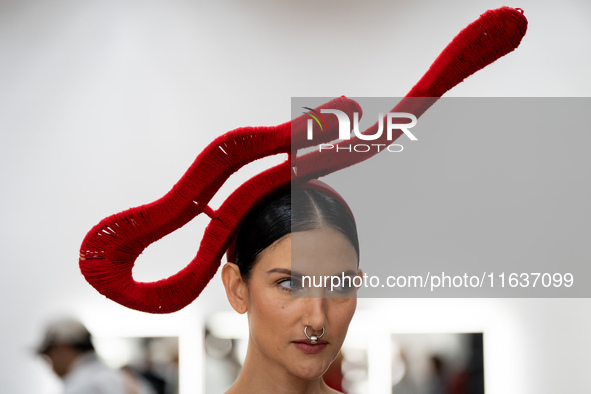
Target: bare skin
(280, 358)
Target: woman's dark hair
(290, 211)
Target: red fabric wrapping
(109, 251)
(493, 35)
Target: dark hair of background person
(66, 332)
(275, 218)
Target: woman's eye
(285, 284)
(344, 288)
(290, 284)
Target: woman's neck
(261, 375)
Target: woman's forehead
(314, 252)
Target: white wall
(104, 104)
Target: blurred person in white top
(67, 345)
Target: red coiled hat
(110, 249)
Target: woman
(296, 328)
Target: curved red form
(110, 248)
(109, 251)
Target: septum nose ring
(313, 338)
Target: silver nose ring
(313, 338)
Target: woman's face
(278, 311)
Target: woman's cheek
(274, 307)
(344, 309)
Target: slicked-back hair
(286, 212)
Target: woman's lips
(309, 348)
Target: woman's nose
(314, 314)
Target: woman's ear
(235, 287)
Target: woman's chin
(311, 371)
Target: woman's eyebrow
(283, 271)
(297, 275)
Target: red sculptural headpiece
(110, 249)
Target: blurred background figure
(68, 347)
(438, 363)
(158, 363)
(437, 383)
